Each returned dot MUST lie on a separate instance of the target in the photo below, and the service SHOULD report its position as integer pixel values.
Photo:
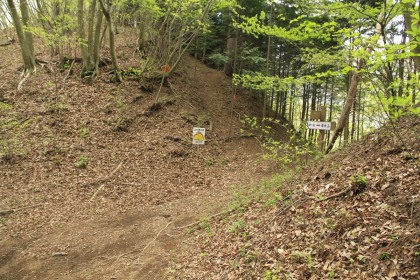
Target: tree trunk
(304, 104)
(107, 11)
(359, 112)
(351, 95)
(82, 39)
(91, 59)
(25, 20)
(97, 43)
(348, 105)
(27, 56)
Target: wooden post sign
(318, 120)
(199, 135)
(320, 125)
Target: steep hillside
(353, 215)
(96, 177)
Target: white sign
(199, 135)
(318, 125)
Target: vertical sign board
(199, 135)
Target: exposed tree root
(25, 77)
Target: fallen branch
(11, 211)
(131, 184)
(145, 247)
(68, 72)
(154, 239)
(103, 179)
(208, 218)
(335, 195)
(59, 254)
(225, 139)
(103, 185)
(172, 88)
(285, 208)
(3, 44)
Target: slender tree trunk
(353, 122)
(107, 11)
(277, 104)
(351, 95)
(302, 118)
(401, 68)
(55, 48)
(97, 43)
(82, 38)
(331, 109)
(91, 45)
(348, 105)
(181, 53)
(284, 105)
(359, 112)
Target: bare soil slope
(96, 178)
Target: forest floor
(355, 214)
(100, 178)
(101, 181)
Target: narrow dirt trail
(95, 223)
(135, 245)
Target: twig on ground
(160, 88)
(169, 161)
(11, 211)
(154, 239)
(172, 88)
(101, 187)
(285, 208)
(68, 72)
(230, 138)
(334, 195)
(145, 247)
(208, 218)
(131, 184)
(261, 145)
(59, 254)
(105, 179)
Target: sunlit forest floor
(101, 181)
(97, 178)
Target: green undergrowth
(269, 192)
(5, 106)
(12, 143)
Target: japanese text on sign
(199, 135)
(318, 125)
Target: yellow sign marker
(199, 135)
